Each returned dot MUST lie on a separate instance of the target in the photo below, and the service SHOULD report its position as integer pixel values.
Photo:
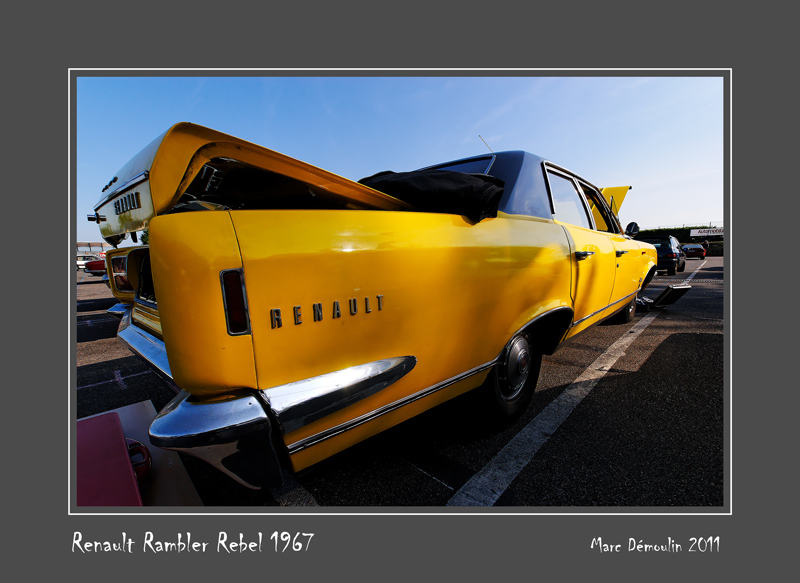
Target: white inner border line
(485, 487)
(728, 154)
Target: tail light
(235, 301)
(119, 270)
(671, 255)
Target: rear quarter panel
(187, 253)
(452, 293)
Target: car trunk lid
(190, 167)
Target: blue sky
(663, 135)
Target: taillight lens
(235, 300)
(119, 269)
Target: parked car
(96, 267)
(671, 257)
(300, 312)
(693, 250)
(84, 259)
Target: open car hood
(614, 196)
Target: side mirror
(632, 229)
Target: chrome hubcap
(517, 367)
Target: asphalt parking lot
(627, 416)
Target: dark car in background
(694, 250)
(671, 257)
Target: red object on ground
(105, 472)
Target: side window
(602, 220)
(567, 202)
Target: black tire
(682, 267)
(513, 379)
(672, 271)
(625, 315)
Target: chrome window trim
(549, 167)
(492, 157)
(339, 429)
(136, 180)
(617, 228)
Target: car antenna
(487, 145)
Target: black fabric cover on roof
(442, 191)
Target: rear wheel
(514, 377)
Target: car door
(593, 252)
(628, 272)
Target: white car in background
(84, 259)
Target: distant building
(92, 247)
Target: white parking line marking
(448, 486)
(120, 382)
(485, 487)
(118, 378)
(96, 321)
(695, 271)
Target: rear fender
(188, 251)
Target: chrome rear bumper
(144, 344)
(235, 435)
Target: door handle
(581, 255)
(621, 253)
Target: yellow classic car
(300, 312)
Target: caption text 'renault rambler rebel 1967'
(300, 312)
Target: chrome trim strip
(144, 344)
(300, 403)
(138, 179)
(602, 309)
(333, 431)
